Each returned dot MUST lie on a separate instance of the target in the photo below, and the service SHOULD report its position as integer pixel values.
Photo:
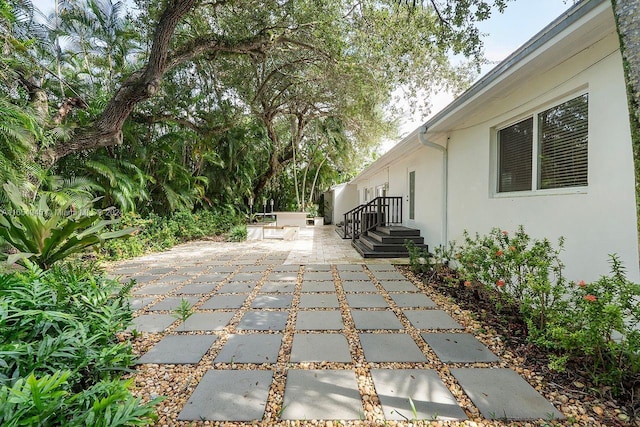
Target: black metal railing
(378, 212)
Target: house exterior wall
(345, 198)
(595, 221)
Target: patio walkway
(287, 332)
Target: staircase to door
(376, 229)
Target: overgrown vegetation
(61, 361)
(593, 326)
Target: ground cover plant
(574, 332)
(60, 357)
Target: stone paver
(431, 399)
(389, 347)
(179, 349)
(502, 393)
(246, 293)
(250, 348)
(234, 395)
(459, 348)
(431, 319)
(321, 394)
(320, 348)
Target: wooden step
(366, 252)
(374, 245)
(398, 230)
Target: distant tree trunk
(626, 13)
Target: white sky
(504, 33)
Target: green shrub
(60, 357)
(238, 233)
(420, 260)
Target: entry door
(411, 198)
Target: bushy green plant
(526, 271)
(420, 260)
(44, 233)
(61, 358)
(238, 233)
(601, 326)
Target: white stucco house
(542, 140)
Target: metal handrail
(384, 210)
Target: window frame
(535, 155)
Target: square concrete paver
(431, 319)
(502, 393)
(315, 286)
(171, 303)
(236, 395)
(319, 320)
(375, 320)
(348, 267)
(212, 278)
(278, 287)
(251, 348)
(389, 275)
(459, 348)
(263, 321)
(283, 276)
(319, 301)
(318, 275)
(206, 321)
(321, 394)
(354, 275)
(156, 289)
(287, 268)
(390, 348)
(320, 348)
(151, 322)
(138, 303)
(223, 301)
(381, 267)
(272, 301)
(412, 300)
(317, 267)
(398, 286)
(431, 398)
(237, 288)
(178, 349)
(355, 286)
(196, 288)
(246, 277)
(366, 301)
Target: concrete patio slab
(357, 286)
(223, 269)
(174, 278)
(390, 347)
(151, 322)
(320, 348)
(431, 399)
(223, 301)
(254, 268)
(211, 278)
(272, 301)
(317, 267)
(216, 321)
(237, 288)
(156, 289)
(431, 319)
(158, 271)
(319, 301)
(283, 276)
(321, 394)
(178, 349)
(286, 268)
(263, 321)
(502, 393)
(246, 277)
(381, 267)
(366, 301)
(398, 286)
(319, 275)
(319, 320)
(375, 320)
(413, 299)
(349, 267)
(234, 395)
(278, 287)
(315, 286)
(250, 348)
(353, 275)
(389, 275)
(138, 303)
(171, 303)
(196, 288)
(459, 348)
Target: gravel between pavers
(177, 382)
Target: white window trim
(494, 163)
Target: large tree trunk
(627, 13)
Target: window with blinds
(515, 145)
(559, 155)
(562, 135)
